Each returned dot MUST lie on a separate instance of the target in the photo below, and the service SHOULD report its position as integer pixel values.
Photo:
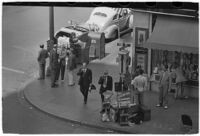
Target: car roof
(107, 10)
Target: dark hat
(42, 46)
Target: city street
(31, 106)
(23, 29)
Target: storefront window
(186, 64)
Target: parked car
(111, 21)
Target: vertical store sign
(141, 60)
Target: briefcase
(146, 113)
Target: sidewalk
(67, 102)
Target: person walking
(43, 54)
(71, 65)
(62, 63)
(85, 80)
(54, 66)
(140, 85)
(164, 87)
(106, 83)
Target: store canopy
(174, 34)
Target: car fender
(130, 21)
(110, 30)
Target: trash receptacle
(83, 50)
(97, 47)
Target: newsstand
(118, 107)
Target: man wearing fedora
(54, 65)
(43, 54)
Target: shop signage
(141, 60)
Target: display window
(183, 66)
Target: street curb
(76, 121)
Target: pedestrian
(71, 65)
(164, 87)
(85, 80)
(180, 79)
(106, 83)
(58, 50)
(140, 85)
(136, 72)
(43, 54)
(74, 44)
(62, 63)
(54, 65)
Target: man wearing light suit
(164, 87)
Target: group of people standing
(60, 59)
(139, 83)
(65, 58)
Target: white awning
(174, 34)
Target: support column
(133, 47)
(51, 25)
(149, 52)
(133, 55)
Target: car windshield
(100, 14)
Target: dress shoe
(54, 86)
(158, 105)
(165, 107)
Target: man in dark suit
(54, 66)
(106, 83)
(85, 80)
(43, 54)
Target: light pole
(51, 26)
(50, 42)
